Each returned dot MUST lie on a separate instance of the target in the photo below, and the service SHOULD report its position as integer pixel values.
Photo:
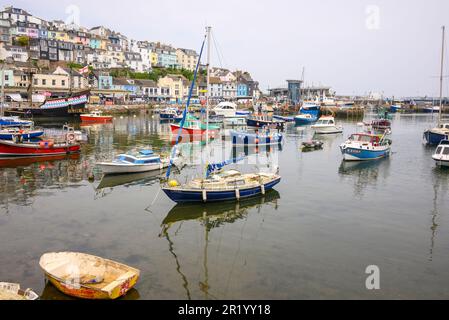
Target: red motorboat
(37, 149)
(96, 117)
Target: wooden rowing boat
(12, 291)
(88, 277)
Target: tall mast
(441, 78)
(208, 84)
(3, 89)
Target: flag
(84, 70)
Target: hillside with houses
(53, 59)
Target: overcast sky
(354, 46)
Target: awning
(15, 97)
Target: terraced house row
(54, 44)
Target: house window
(63, 83)
(53, 82)
(44, 82)
(6, 77)
(35, 82)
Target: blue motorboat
(395, 108)
(366, 146)
(436, 135)
(265, 137)
(25, 134)
(170, 114)
(12, 122)
(308, 114)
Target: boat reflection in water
(128, 180)
(238, 151)
(364, 173)
(25, 162)
(51, 293)
(210, 216)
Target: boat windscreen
(438, 150)
(446, 151)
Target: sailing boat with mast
(441, 132)
(218, 185)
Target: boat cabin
(443, 148)
(444, 126)
(366, 138)
(326, 121)
(143, 157)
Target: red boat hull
(11, 149)
(90, 119)
(192, 132)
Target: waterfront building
(176, 86)
(229, 90)
(134, 61)
(100, 31)
(17, 53)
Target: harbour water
(311, 238)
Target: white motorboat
(327, 125)
(225, 109)
(441, 155)
(143, 161)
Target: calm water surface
(311, 238)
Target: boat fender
(205, 196)
(262, 188)
(173, 183)
(237, 194)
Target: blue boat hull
(164, 116)
(433, 138)
(260, 123)
(302, 122)
(216, 196)
(28, 136)
(356, 154)
(286, 119)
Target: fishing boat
(24, 133)
(38, 149)
(327, 125)
(96, 117)
(441, 132)
(259, 138)
(441, 155)
(264, 121)
(230, 185)
(308, 114)
(142, 161)
(380, 124)
(193, 126)
(12, 291)
(285, 119)
(434, 109)
(70, 105)
(88, 277)
(366, 146)
(169, 114)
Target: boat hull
(26, 136)
(243, 139)
(112, 168)
(358, 154)
(192, 131)
(305, 121)
(261, 123)
(11, 149)
(286, 119)
(186, 196)
(434, 138)
(327, 129)
(91, 119)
